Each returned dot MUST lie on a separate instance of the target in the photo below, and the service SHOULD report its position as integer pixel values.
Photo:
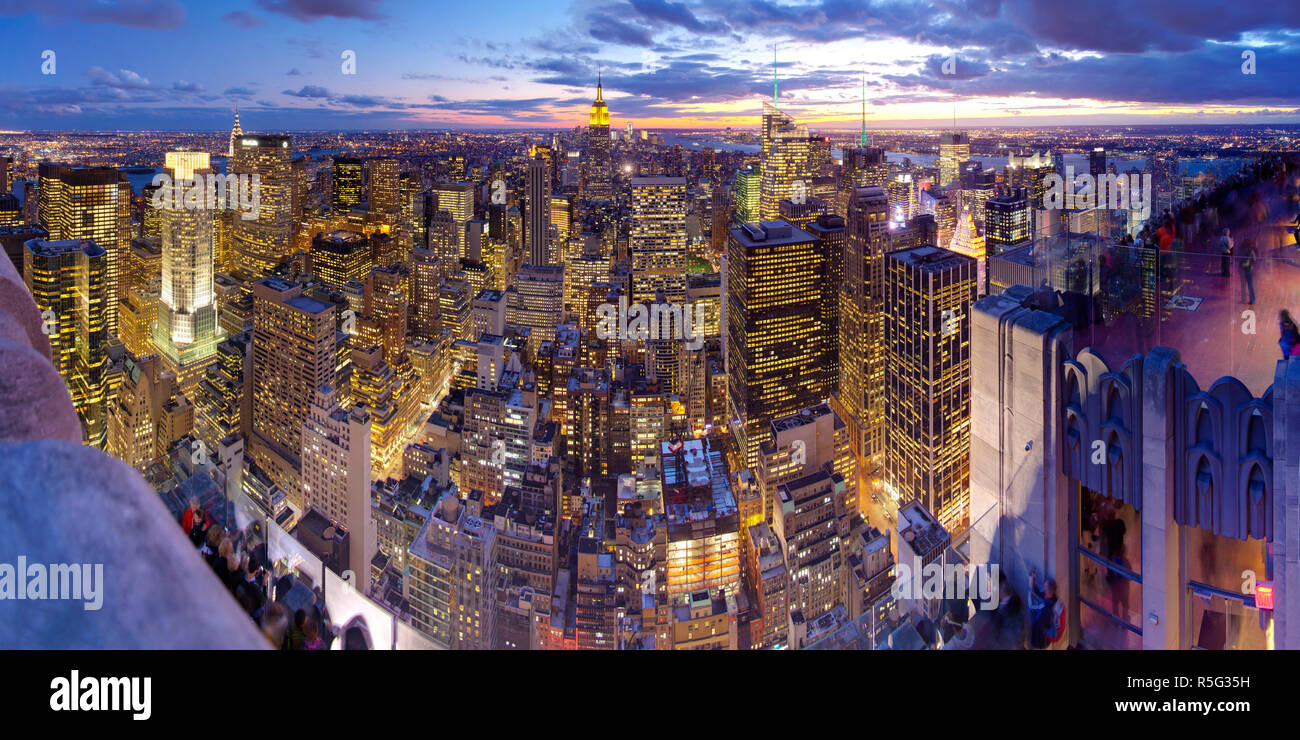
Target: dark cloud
(309, 11)
(160, 15)
(239, 92)
(675, 14)
(189, 87)
(610, 30)
(309, 91)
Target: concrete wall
(64, 503)
(1044, 417)
(1017, 491)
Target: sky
(507, 64)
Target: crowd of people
(242, 567)
(1230, 226)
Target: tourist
(1225, 249)
(1246, 264)
(1289, 340)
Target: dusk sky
(168, 65)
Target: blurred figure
(1005, 628)
(1225, 249)
(1289, 340)
(311, 636)
(298, 632)
(1246, 265)
(1044, 616)
(1118, 584)
(275, 621)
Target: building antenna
(864, 109)
(776, 93)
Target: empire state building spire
(598, 185)
(235, 133)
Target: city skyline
(918, 64)
(758, 341)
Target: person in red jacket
(195, 522)
(1164, 237)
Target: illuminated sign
(1264, 595)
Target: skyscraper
(954, 150)
(658, 238)
(776, 339)
(457, 199)
(221, 406)
(927, 380)
(336, 473)
(537, 234)
(495, 442)
(786, 173)
(347, 185)
(1031, 174)
(810, 515)
(340, 256)
(599, 185)
(1097, 161)
(536, 300)
(1006, 220)
(69, 280)
(830, 232)
(426, 275)
(148, 414)
(186, 333)
(456, 166)
(860, 396)
(749, 182)
(863, 166)
(141, 288)
(903, 205)
(260, 242)
(294, 353)
(6, 174)
(382, 173)
(91, 203)
(969, 241)
(236, 132)
(773, 121)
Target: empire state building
(598, 177)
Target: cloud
(184, 86)
(1209, 74)
(158, 15)
(674, 14)
(293, 73)
(364, 101)
(605, 28)
(309, 91)
(242, 18)
(310, 11)
(125, 79)
(239, 92)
